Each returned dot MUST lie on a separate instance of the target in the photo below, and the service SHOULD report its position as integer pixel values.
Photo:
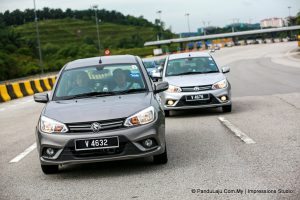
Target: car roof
(188, 54)
(104, 61)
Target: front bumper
(181, 103)
(130, 145)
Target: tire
(226, 109)
(167, 113)
(161, 158)
(49, 169)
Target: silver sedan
(195, 81)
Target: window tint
(190, 65)
(109, 78)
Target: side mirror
(160, 68)
(161, 86)
(41, 97)
(156, 74)
(225, 70)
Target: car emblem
(96, 127)
(196, 88)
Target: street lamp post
(205, 27)
(188, 21)
(97, 27)
(237, 21)
(289, 17)
(160, 24)
(232, 27)
(38, 39)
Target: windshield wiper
(211, 72)
(90, 94)
(187, 73)
(102, 94)
(131, 91)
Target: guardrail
(25, 88)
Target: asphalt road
(203, 153)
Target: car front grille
(105, 125)
(196, 88)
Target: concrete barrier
(17, 90)
(25, 88)
(4, 94)
(28, 88)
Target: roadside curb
(25, 88)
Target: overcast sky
(218, 12)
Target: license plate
(197, 97)
(97, 143)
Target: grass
(72, 31)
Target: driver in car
(122, 83)
(81, 82)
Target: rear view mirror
(225, 70)
(41, 97)
(156, 74)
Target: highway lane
(203, 154)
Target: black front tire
(167, 113)
(161, 158)
(49, 169)
(226, 109)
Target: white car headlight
(143, 117)
(220, 85)
(174, 89)
(48, 125)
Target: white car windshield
(191, 65)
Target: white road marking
(23, 154)
(245, 138)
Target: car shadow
(199, 112)
(110, 169)
(239, 106)
(177, 158)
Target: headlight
(174, 89)
(220, 85)
(51, 126)
(143, 117)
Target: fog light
(170, 102)
(50, 151)
(148, 143)
(223, 98)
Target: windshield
(192, 65)
(153, 63)
(100, 80)
(150, 64)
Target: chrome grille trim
(201, 88)
(86, 126)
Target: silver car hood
(98, 108)
(194, 80)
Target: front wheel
(226, 109)
(49, 169)
(167, 113)
(161, 158)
